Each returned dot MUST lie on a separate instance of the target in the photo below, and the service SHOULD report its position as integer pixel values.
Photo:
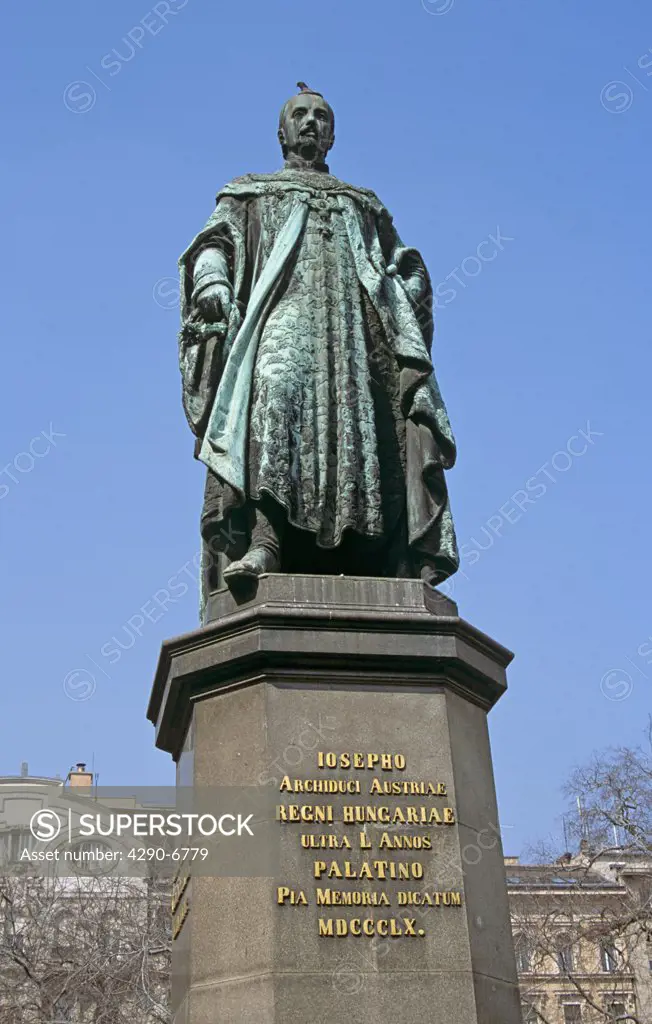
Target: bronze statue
(307, 379)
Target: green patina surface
(305, 351)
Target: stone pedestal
(376, 684)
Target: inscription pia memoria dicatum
(369, 855)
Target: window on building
(565, 961)
(609, 957)
(572, 1013)
(523, 954)
(13, 843)
(618, 1012)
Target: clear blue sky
(492, 114)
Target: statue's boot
(256, 562)
(264, 554)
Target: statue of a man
(307, 378)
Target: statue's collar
(293, 180)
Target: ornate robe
(322, 393)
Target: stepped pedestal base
(377, 687)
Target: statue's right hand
(214, 303)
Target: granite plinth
(339, 664)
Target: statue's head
(306, 126)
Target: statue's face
(307, 127)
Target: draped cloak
(322, 392)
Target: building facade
(582, 938)
(75, 948)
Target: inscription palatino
(383, 880)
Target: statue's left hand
(214, 303)
(415, 287)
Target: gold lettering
(179, 918)
(359, 760)
(358, 814)
(415, 899)
(325, 842)
(395, 787)
(392, 842)
(179, 886)
(380, 869)
(305, 813)
(286, 895)
(351, 898)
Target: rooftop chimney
(78, 776)
(24, 770)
